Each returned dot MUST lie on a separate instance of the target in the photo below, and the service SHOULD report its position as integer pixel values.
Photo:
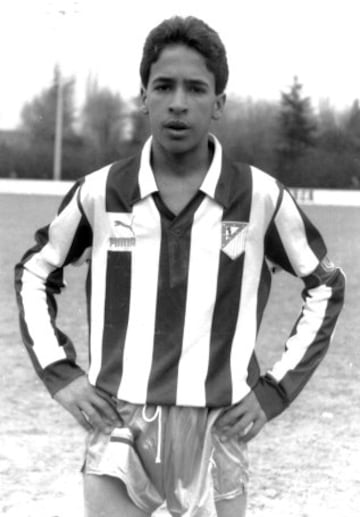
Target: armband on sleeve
(321, 275)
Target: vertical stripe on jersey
(306, 332)
(81, 244)
(116, 186)
(263, 292)
(40, 329)
(170, 316)
(200, 300)
(253, 371)
(98, 270)
(122, 187)
(275, 250)
(247, 324)
(38, 270)
(139, 343)
(321, 341)
(116, 318)
(292, 232)
(313, 236)
(219, 382)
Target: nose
(178, 102)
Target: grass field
(305, 463)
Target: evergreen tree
(297, 126)
(353, 122)
(296, 135)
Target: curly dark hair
(193, 33)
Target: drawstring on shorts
(157, 415)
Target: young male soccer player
(178, 240)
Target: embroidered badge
(123, 236)
(233, 238)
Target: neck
(181, 165)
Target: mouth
(176, 125)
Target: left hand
(243, 420)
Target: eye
(162, 87)
(196, 88)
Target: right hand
(91, 410)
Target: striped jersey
(175, 302)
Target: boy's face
(180, 99)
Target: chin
(180, 145)
(176, 145)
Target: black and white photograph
(179, 273)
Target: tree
(353, 120)
(39, 124)
(39, 115)
(296, 129)
(140, 123)
(103, 122)
(297, 125)
(248, 131)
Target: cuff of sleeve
(271, 396)
(60, 374)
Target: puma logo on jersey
(122, 233)
(121, 223)
(122, 243)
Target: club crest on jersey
(233, 238)
(122, 237)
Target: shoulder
(264, 183)
(117, 175)
(258, 184)
(120, 168)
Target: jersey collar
(211, 180)
(147, 181)
(210, 185)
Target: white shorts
(170, 454)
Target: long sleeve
(295, 245)
(38, 278)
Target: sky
(268, 43)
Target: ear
(144, 107)
(219, 106)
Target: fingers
(242, 421)
(99, 413)
(230, 416)
(253, 430)
(106, 406)
(81, 418)
(94, 419)
(91, 410)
